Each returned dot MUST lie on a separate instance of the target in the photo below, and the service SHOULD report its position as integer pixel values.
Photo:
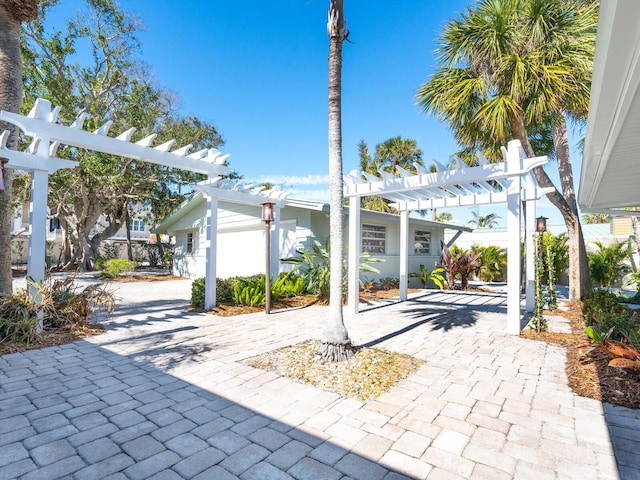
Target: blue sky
(257, 70)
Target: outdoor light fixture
(267, 217)
(541, 224)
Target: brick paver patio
(164, 394)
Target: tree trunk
(10, 94)
(336, 344)
(127, 221)
(579, 276)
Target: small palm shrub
(608, 264)
(493, 263)
(314, 266)
(435, 276)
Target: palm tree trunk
(579, 276)
(12, 13)
(10, 93)
(336, 344)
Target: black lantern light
(541, 224)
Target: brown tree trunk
(10, 93)
(579, 276)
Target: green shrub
(389, 283)
(603, 312)
(288, 285)
(608, 264)
(117, 266)
(197, 293)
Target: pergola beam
(466, 186)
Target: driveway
(165, 394)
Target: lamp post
(267, 217)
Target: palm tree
(336, 344)
(519, 69)
(592, 218)
(12, 14)
(487, 221)
(394, 152)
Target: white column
(404, 254)
(211, 253)
(513, 240)
(38, 238)
(529, 226)
(354, 256)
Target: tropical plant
(558, 249)
(461, 264)
(592, 218)
(518, 69)
(608, 264)
(12, 14)
(443, 217)
(435, 276)
(394, 152)
(493, 262)
(487, 221)
(57, 304)
(314, 266)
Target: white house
(241, 237)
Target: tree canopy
(111, 83)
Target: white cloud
(285, 180)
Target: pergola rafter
(42, 125)
(510, 181)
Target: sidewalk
(164, 394)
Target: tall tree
(92, 201)
(520, 69)
(484, 221)
(12, 14)
(336, 344)
(392, 153)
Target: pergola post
(513, 239)
(211, 249)
(354, 256)
(404, 254)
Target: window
(190, 242)
(374, 239)
(422, 242)
(137, 226)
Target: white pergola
(42, 125)
(231, 190)
(510, 182)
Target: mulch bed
(590, 374)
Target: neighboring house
(241, 237)
(21, 229)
